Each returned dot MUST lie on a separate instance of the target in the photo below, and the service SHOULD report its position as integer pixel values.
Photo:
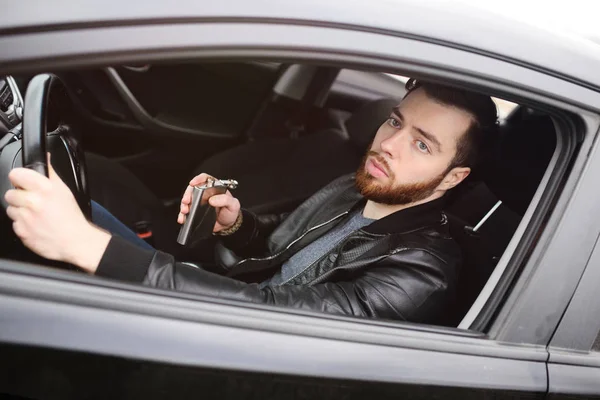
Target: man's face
(409, 158)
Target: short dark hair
(481, 107)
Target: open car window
(292, 152)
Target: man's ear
(455, 176)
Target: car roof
(560, 41)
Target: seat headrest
(520, 159)
(364, 123)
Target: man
(373, 245)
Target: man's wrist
(89, 248)
(233, 228)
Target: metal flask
(200, 221)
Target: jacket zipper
(293, 242)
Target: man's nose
(393, 144)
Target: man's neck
(375, 210)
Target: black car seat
(511, 175)
(277, 174)
(120, 191)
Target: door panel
(162, 121)
(574, 381)
(42, 373)
(219, 98)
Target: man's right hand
(227, 206)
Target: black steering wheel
(30, 147)
(35, 116)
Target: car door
(574, 363)
(67, 335)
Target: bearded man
(374, 244)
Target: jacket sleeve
(251, 238)
(386, 290)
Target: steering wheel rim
(68, 158)
(35, 115)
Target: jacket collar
(408, 219)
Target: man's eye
(393, 122)
(422, 147)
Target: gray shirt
(317, 249)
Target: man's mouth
(375, 168)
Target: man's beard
(392, 194)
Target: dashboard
(11, 104)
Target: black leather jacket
(401, 267)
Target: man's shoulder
(341, 183)
(339, 192)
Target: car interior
(283, 131)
